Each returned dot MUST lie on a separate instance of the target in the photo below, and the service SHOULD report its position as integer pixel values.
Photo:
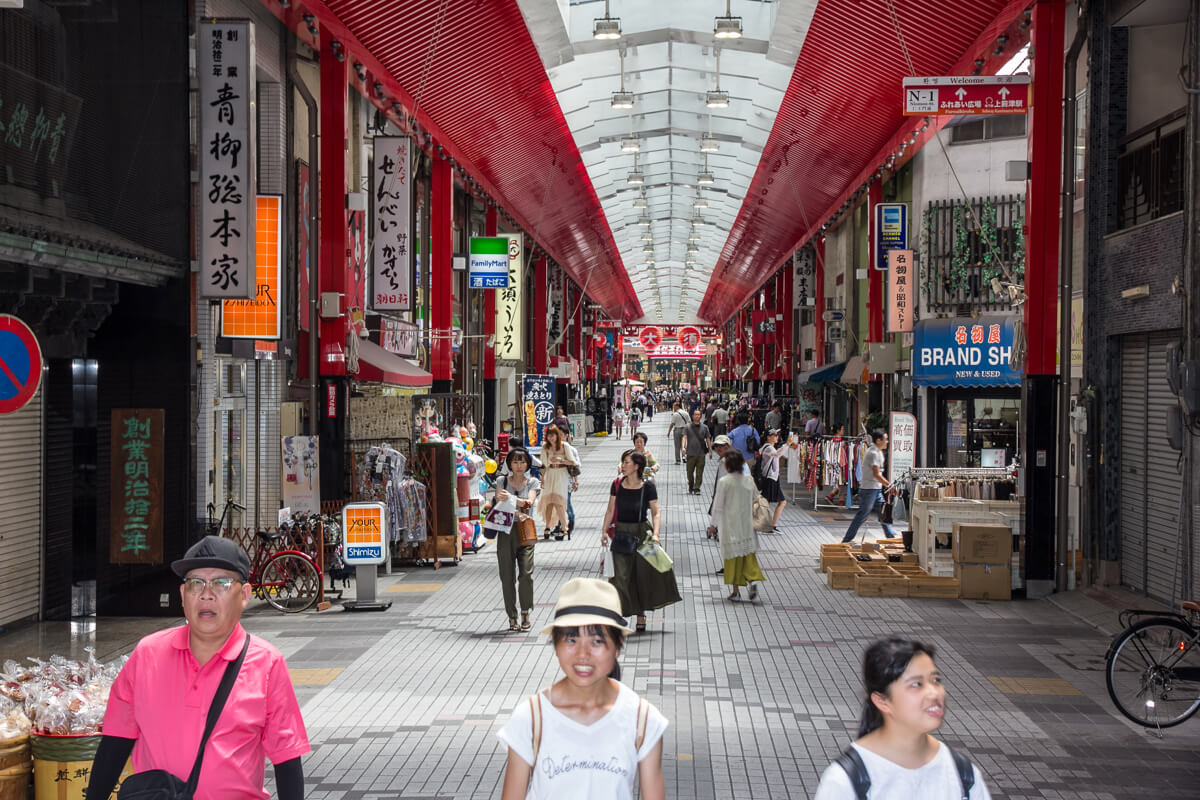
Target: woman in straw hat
(588, 736)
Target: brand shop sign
(964, 352)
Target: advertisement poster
(537, 409)
(301, 474)
(902, 449)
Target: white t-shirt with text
(937, 780)
(583, 762)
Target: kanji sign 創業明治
(136, 477)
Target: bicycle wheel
(289, 582)
(1153, 672)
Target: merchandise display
(58, 697)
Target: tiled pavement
(406, 703)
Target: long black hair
(883, 664)
(609, 632)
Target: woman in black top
(641, 586)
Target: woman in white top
(895, 753)
(588, 736)
(619, 420)
(556, 481)
(769, 455)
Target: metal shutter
(1150, 480)
(21, 510)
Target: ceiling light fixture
(636, 178)
(705, 178)
(622, 99)
(699, 202)
(709, 145)
(694, 236)
(606, 27)
(728, 26)
(717, 98)
(640, 201)
(630, 145)
(647, 237)
(644, 221)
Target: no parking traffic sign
(20, 364)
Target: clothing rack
(931, 475)
(851, 480)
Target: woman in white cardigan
(733, 517)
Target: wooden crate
(881, 584)
(842, 577)
(909, 569)
(932, 587)
(832, 558)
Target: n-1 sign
(962, 95)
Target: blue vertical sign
(537, 409)
(891, 231)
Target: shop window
(1009, 126)
(227, 476)
(979, 432)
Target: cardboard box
(982, 544)
(985, 581)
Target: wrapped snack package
(58, 697)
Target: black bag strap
(214, 711)
(966, 772)
(853, 764)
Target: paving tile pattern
(760, 697)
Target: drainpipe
(1067, 251)
(1191, 272)
(314, 288)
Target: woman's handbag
(885, 514)
(763, 520)
(158, 784)
(655, 556)
(899, 510)
(527, 531)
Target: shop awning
(826, 374)
(380, 366)
(854, 370)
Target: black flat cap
(213, 552)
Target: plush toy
(460, 457)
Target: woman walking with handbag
(639, 446)
(769, 467)
(514, 550)
(556, 481)
(732, 515)
(641, 587)
(587, 736)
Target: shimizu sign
(489, 262)
(364, 527)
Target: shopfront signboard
(676, 350)
(225, 98)
(889, 231)
(902, 444)
(537, 409)
(135, 517)
(301, 485)
(20, 364)
(488, 262)
(510, 345)
(391, 229)
(261, 316)
(364, 533)
(900, 285)
(650, 338)
(964, 95)
(689, 337)
(964, 352)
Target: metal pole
(1067, 248)
(1191, 270)
(314, 188)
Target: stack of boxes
(983, 556)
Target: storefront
(968, 394)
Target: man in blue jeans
(870, 491)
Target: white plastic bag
(606, 564)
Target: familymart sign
(488, 263)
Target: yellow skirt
(743, 570)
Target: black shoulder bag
(158, 784)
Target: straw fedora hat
(587, 601)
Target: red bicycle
(289, 580)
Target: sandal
(753, 592)
(525, 621)
(734, 596)
(641, 624)
(512, 624)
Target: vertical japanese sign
(806, 261)
(261, 318)
(902, 445)
(510, 345)
(890, 231)
(225, 70)
(554, 315)
(537, 409)
(135, 514)
(391, 258)
(900, 309)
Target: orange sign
(901, 280)
(260, 317)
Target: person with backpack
(635, 420)
(588, 736)
(744, 437)
(895, 756)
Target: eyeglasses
(219, 586)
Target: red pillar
(874, 276)
(819, 299)
(490, 227)
(441, 295)
(541, 358)
(333, 264)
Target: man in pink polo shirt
(160, 700)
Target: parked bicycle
(1153, 666)
(289, 580)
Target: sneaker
(753, 592)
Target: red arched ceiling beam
(512, 165)
(816, 134)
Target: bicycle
(1152, 667)
(289, 580)
(214, 527)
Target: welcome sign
(964, 352)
